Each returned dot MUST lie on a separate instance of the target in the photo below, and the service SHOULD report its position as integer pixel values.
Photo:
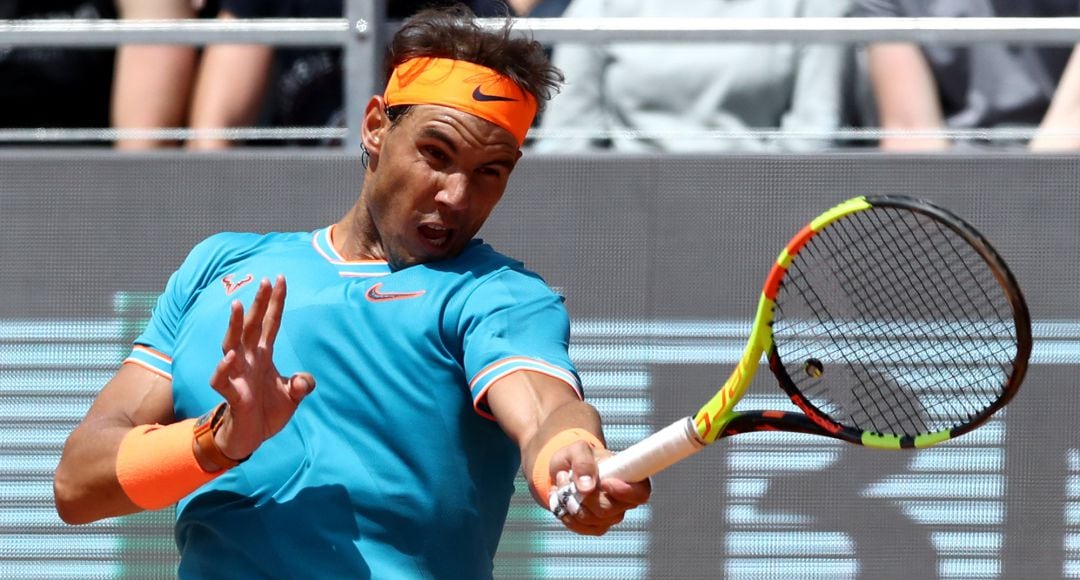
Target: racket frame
(717, 418)
(1006, 280)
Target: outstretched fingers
(247, 347)
(271, 320)
(230, 365)
(233, 333)
(253, 320)
(261, 400)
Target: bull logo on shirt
(232, 286)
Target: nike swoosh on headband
(477, 95)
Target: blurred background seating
(978, 86)
(697, 96)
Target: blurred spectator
(655, 97)
(286, 86)
(224, 85)
(401, 9)
(1060, 128)
(153, 84)
(982, 85)
(304, 86)
(55, 87)
(539, 8)
(243, 85)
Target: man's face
(436, 174)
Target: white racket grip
(654, 453)
(638, 462)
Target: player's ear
(374, 128)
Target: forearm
(571, 415)
(532, 408)
(573, 424)
(85, 486)
(569, 442)
(88, 484)
(138, 467)
(559, 434)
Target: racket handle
(638, 462)
(654, 453)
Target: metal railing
(361, 42)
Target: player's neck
(355, 239)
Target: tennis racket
(889, 321)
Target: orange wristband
(541, 472)
(156, 464)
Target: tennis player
(441, 364)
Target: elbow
(65, 507)
(66, 500)
(70, 517)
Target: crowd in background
(619, 96)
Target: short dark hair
(453, 33)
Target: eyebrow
(442, 137)
(433, 133)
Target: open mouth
(435, 235)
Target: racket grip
(654, 453)
(638, 462)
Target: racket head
(895, 324)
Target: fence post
(362, 63)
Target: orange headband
(464, 86)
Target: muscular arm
(85, 486)
(533, 407)
(906, 96)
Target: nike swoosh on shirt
(374, 294)
(480, 96)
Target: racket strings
(973, 291)
(867, 399)
(921, 280)
(880, 405)
(958, 298)
(831, 325)
(908, 321)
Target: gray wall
(661, 259)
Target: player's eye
(490, 171)
(435, 154)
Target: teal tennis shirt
(393, 467)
